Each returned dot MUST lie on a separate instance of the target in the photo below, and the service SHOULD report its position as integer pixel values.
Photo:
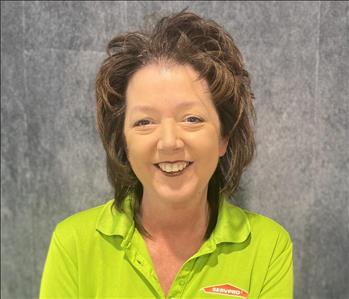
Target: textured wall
(52, 162)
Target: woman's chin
(172, 195)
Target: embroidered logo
(227, 290)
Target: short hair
(183, 38)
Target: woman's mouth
(173, 169)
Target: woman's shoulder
(268, 235)
(262, 227)
(82, 221)
(263, 223)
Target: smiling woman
(175, 94)
(175, 115)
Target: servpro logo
(226, 290)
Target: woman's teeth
(173, 167)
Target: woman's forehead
(177, 85)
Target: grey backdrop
(52, 162)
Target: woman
(175, 114)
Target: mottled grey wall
(52, 161)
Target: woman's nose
(169, 138)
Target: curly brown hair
(182, 38)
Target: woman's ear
(223, 145)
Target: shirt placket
(144, 268)
(181, 280)
(135, 256)
(188, 270)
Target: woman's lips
(171, 174)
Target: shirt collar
(113, 222)
(232, 223)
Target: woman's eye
(193, 119)
(145, 122)
(142, 122)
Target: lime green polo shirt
(98, 253)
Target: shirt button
(140, 262)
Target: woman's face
(170, 117)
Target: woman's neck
(173, 219)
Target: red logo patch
(227, 290)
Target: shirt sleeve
(278, 282)
(59, 278)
